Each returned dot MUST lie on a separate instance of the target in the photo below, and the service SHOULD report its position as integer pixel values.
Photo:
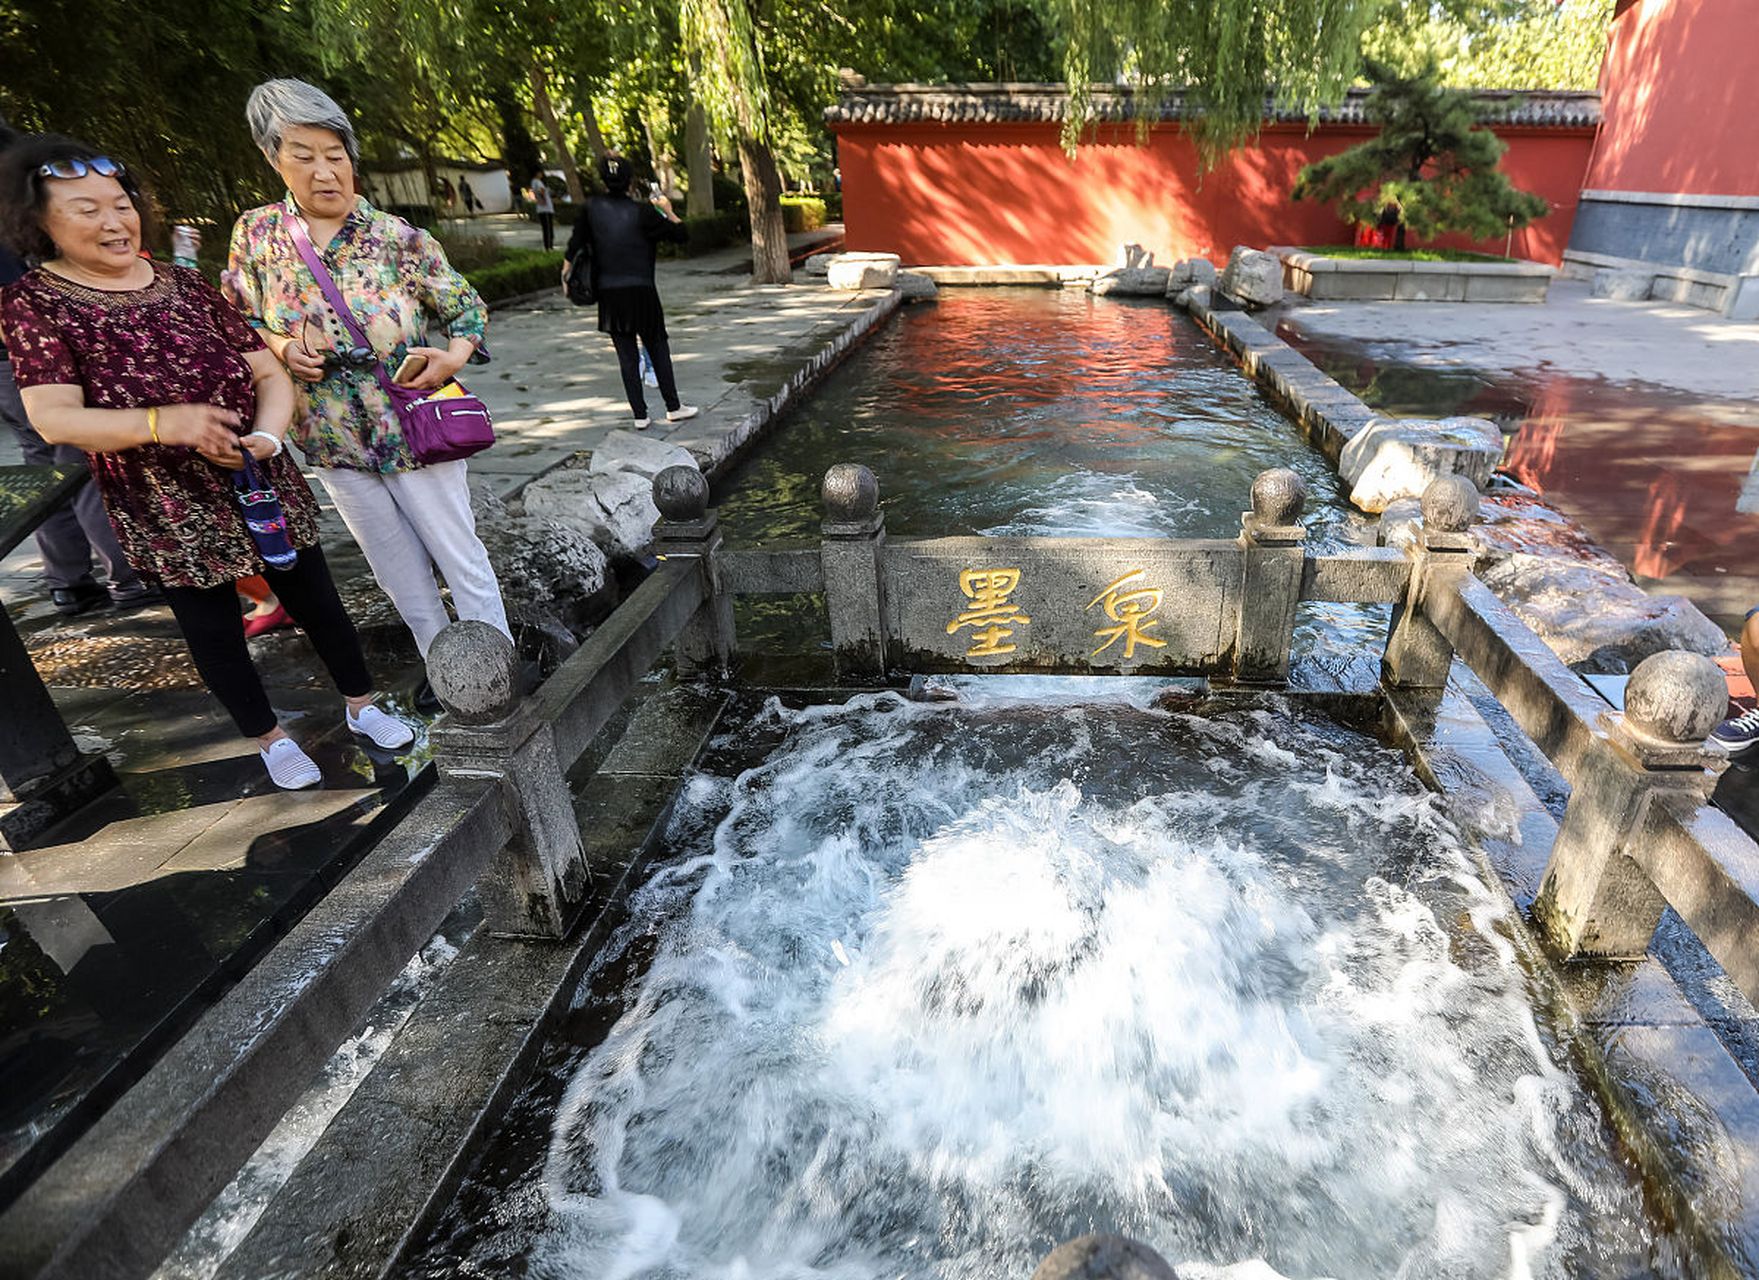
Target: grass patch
(1400, 255)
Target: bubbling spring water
(937, 986)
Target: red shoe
(274, 620)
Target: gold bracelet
(153, 423)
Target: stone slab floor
(1640, 419)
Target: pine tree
(1432, 169)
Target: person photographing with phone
(616, 241)
(393, 282)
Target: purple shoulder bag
(438, 428)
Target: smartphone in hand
(411, 369)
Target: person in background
(619, 239)
(469, 197)
(69, 535)
(145, 367)
(1740, 734)
(545, 207)
(409, 519)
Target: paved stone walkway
(1636, 418)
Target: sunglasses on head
(103, 166)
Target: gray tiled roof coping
(1049, 103)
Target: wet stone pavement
(134, 914)
(1637, 419)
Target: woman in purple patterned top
(148, 370)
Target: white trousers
(408, 523)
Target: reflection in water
(1655, 475)
(1015, 412)
(1033, 411)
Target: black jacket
(621, 237)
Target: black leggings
(214, 629)
(629, 364)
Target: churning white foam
(938, 986)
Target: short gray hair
(277, 105)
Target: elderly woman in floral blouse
(407, 518)
(145, 368)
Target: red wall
(986, 193)
(1677, 105)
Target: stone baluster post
(1593, 900)
(535, 884)
(854, 538)
(1417, 655)
(1270, 536)
(687, 528)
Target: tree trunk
(546, 112)
(595, 136)
(665, 164)
(763, 191)
(699, 164)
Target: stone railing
(1636, 835)
(501, 818)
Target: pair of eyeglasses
(103, 166)
(347, 358)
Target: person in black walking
(616, 239)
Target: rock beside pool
(556, 580)
(613, 510)
(916, 287)
(1389, 458)
(1253, 276)
(630, 451)
(1194, 297)
(1138, 282)
(1596, 620)
(862, 270)
(1187, 272)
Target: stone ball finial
(850, 492)
(1676, 697)
(1278, 496)
(1450, 504)
(1103, 1257)
(473, 668)
(681, 494)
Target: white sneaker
(683, 413)
(289, 767)
(642, 424)
(380, 729)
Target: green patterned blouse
(397, 282)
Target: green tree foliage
(1498, 44)
(1230, 56)
(166, 95)
(1432, 169)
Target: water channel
(918, 989)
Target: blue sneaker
(1738, 733)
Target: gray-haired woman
(407, 518)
